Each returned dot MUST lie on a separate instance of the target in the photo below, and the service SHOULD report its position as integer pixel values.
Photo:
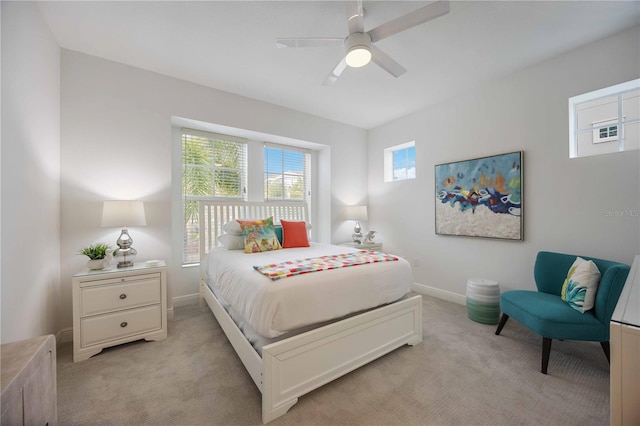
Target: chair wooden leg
(501, 324)
(546, 351)
(607, 352)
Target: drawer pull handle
(123, 296)
(123, 324)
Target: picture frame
(481, 197)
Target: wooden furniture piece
(29, 382)
(115, 306)
(545, 313)
(363, 246)
(625, 352)
(299, 364)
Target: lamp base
(125, 254)
(357, 233)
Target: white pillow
(581, 285)
(232, 242)
(233, 227)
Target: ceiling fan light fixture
(358, 56)
(358, 46)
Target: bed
(297, 356)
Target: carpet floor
(461, 374)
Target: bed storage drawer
(128, 294)
(113, 326)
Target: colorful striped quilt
(291, 268)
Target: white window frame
(184, 198)
(306, 172)
(388, 161)
(620, 120)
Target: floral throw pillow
(259, 235)
(580, 286)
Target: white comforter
(273, 308)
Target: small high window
(400, 162)
(605, 120)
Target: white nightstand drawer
(109, 298)
(107, 327)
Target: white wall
(116, 144)
(565, 200)
(30, 174)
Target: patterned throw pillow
(580, 286)
(259, 235)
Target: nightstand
(364, 246)
(115, 306)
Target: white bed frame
(295, 366)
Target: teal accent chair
(545, 313)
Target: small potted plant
(96, 254)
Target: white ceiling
(230, 45)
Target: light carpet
(461, 374)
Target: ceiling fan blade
(355, 16)
(309, 42)
(411, 19)
(335, 73)
(386, 62)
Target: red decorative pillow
(294, 234)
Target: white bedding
(273, 308)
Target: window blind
(287, 173)
(213, 166)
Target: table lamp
(124, 213)
(356, 213)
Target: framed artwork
(480, 197)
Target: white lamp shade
(356, 213)
(123, 213)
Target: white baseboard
(63, 336)
(440, 294)
(189, 299)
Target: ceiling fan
(359, 45)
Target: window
(400, 162)
(605, 120)
(287, 173)
(605, 131)
(213, 166)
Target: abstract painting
(480, 197)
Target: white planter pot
(95, 264)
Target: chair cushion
(548, 315)
(580, 287)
